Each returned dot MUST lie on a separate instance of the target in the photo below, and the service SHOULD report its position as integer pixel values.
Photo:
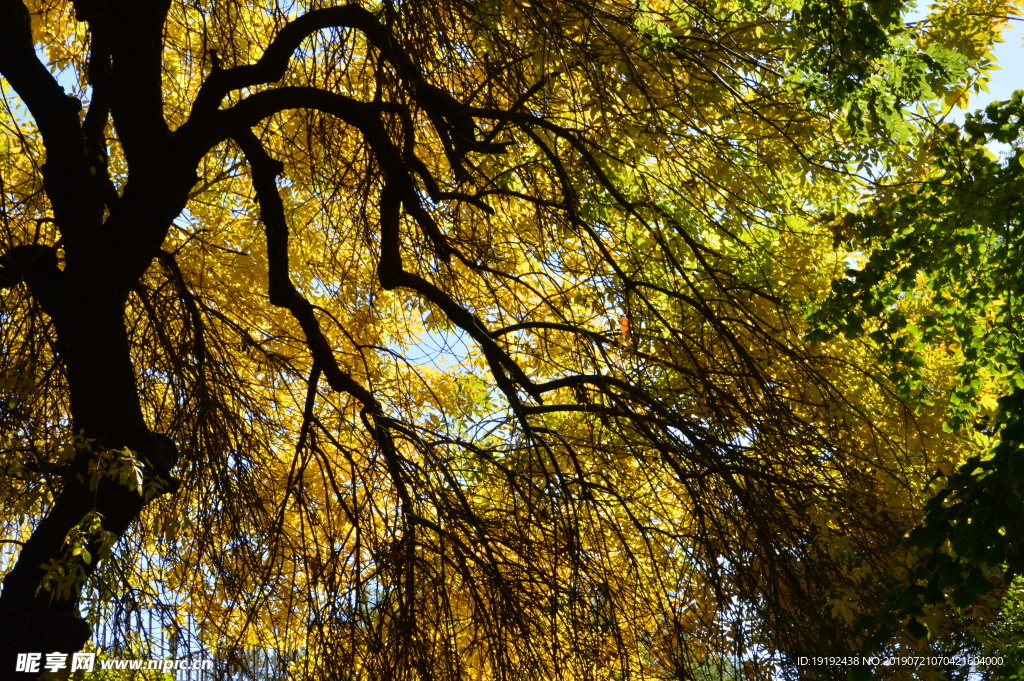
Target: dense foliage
(952, 246)
(470, 339)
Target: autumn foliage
(493, 339)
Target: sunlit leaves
(551, 258)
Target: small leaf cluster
(122, 465)
(88, 540)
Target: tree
(952, 246)
(227, 247)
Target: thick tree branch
(66, 171)
(272, 65)
(361, 115)
(207, 133)
(399, 190)
(451, 119)
(136, 86)
(283, 293)
(96, 13)
(52, 110)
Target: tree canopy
(470, 339)
(952, 245)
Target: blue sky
(1010, 76)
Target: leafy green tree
(941, 284)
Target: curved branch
(452, 119)
(66, 171)
(363, 116)
(391, 276)
(205, 133)
(99, 75)
(53, 111)
(272, 65)
(284, 294)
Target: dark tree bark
(103, 258)
(87, 311)
(105, 405)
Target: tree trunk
(93, 345)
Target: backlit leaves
(480, 332)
